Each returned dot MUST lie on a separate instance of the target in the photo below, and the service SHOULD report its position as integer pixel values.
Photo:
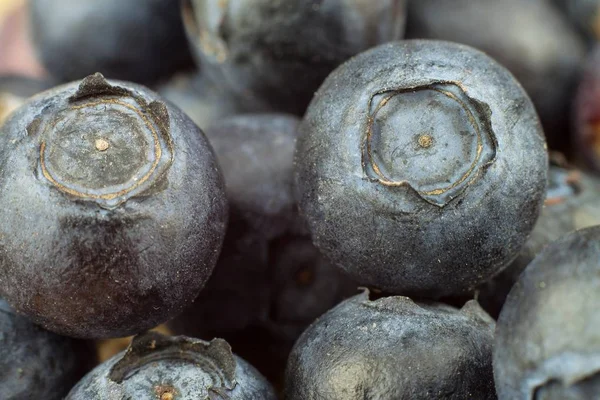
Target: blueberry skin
(113, 209)
(547, 338)
(270, 282)
(141, 42)
(394, 348)
(399, 227)
(255, 153)
(571, 204)
(281, 51)
(35, 363)
(207, 102)
(15, 90)
(168, 368)
(531, 39)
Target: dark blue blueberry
(394, 348)
(421, 168)
(157, 367)
(135, 41)
(35, 363)
(547, 339)
(270, 282)
(113, 209)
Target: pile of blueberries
(321, 199)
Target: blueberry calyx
(215, 358)
(105, 144)
(412, 132)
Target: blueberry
(37, 364)
(394, 348)
(135, 41)
(157, 367)
(15, 90)
(281, 51)
(530, 38)
(547, 339)
(571, 204)
(255, 153)
(113, 209)
(270, 282)
(206, 102)
(421, 168)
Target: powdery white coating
(396, 235)
(394, 348)
(548, 335)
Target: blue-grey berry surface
(35, 363)
(547, 343)
(137, 41)
(156, 367)
(281, 51)
(15, 90)
(113, 209)
(571, 204)
(421, 168)
(206, 102)
(394, 348)
(270, 281)
(531, 38)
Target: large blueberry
(394, 348)
(112, 206)
(421, 168)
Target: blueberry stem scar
(424, 141)
(108, 196)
